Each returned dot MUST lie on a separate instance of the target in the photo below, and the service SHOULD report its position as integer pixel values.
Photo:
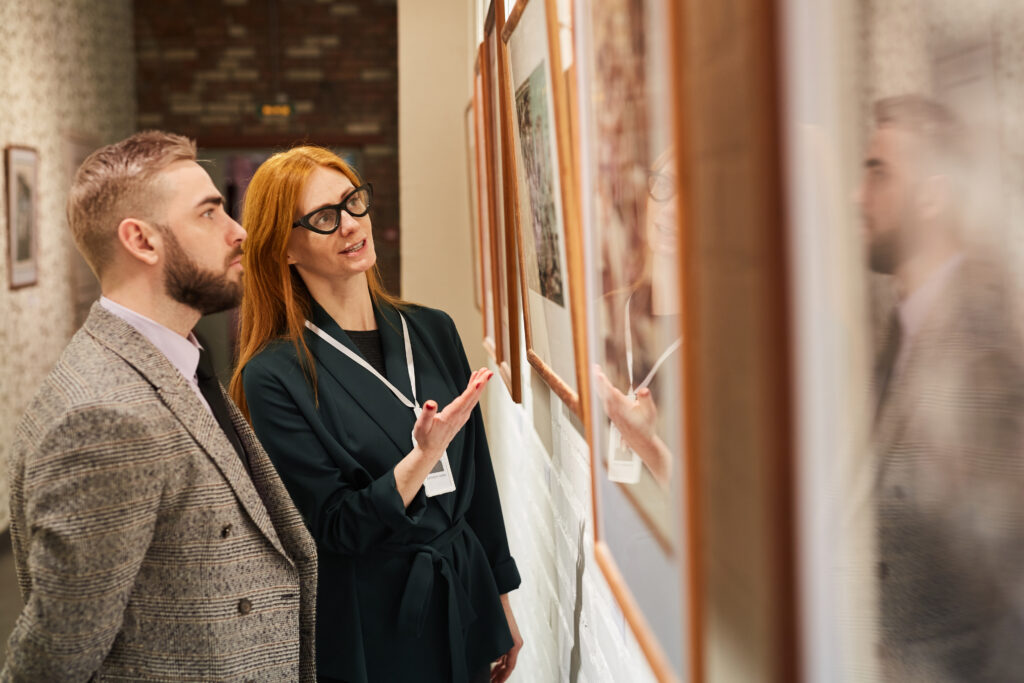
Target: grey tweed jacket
(144, 550)
(949, 436)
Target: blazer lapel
(181, 400)
(376, 400)
(924, 358)
(432, 382)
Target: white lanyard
(440, 479)
(624, 465)
(629, 355)
(414, 404)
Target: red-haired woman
(367, 407)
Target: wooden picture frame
(629, 145)
(22, 187)
(542, 196)
(486, 234)
(473, 187)
(503, 247)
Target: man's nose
(236, 233)
(857, 195)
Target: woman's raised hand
(434, 430)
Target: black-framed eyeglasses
(326, 219)
(661, 186)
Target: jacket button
(226, 531)
(244, 606)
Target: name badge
(624, 465)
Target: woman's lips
(355, 248)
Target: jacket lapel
(432, 382)
(181, 400)
(376, 400)
(924, 358)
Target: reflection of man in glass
(947, 429)
(23, 225)
(655, 298)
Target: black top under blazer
(405, 593)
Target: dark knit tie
(209, 386)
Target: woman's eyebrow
(344, 195)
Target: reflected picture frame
(543, 202)
(21, 166)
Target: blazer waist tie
(431, 558)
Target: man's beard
(885, 252)
(204, 290)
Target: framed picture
(503, 247)
(482, 169)
(543, 197)
(631, 201)
(474, 200)
(22, 165)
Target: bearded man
(948, 424)
(152, 536)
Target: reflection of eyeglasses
(326, 220)
(661, 187)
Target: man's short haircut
(116, 182)
(942, 134)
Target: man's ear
(140, 239)
(933, 197)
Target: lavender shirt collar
(183, 352)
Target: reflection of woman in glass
(651, 314)
(414, 565)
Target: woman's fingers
(445, 424)
(467, 400)
(425, 422)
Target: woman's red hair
(276, 303)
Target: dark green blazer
(405, 593)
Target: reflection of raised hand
(637, 420)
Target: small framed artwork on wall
(22, 165)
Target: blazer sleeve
(484, 514)
(346, 511)
(96, 490)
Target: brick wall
(205, 67)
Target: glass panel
(633, 302)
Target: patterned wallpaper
(970, 56)
(66, 83)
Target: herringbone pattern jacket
(949, 438)
(144, 550)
